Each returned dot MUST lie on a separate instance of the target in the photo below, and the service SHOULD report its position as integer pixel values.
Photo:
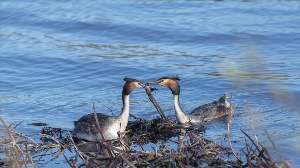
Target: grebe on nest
(204, 113)
(86, 127)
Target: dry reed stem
(107, 144)
(229, 119)
(263, 157)
(154, 102)
(102, 141)
(82, 155)
(14, 153)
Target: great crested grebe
(86, 127)
(206, 112)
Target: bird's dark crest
(130, 80)
(177, 78)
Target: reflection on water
(57, 58)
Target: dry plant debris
(181, 148)
(190, 149)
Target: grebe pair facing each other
(86, 127)
(204, 113)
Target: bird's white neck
(182, 118)
(125, 110)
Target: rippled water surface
(57, 58)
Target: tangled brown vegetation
(174, 146)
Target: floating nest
(192, 149)
(145, 131)
(189, 150)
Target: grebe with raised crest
(204, 113)
(86, 127)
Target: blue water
(57, 58)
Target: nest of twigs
(145, 131)
(190, 149)
(186, 148)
